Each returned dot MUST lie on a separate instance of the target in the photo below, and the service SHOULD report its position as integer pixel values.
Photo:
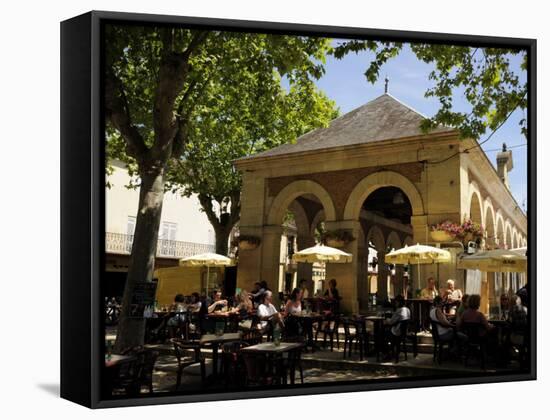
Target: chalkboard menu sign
(143, 296)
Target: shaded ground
(321, 366)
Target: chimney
(504, 165)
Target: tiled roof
(383, 118)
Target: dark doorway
(230, 281)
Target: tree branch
(118, 114)
(206, 204)
(174, 69)
(235, 207)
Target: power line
(479, 143)
(507, 147)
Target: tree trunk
(222, 237)
(131, 331)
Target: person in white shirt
(303, 287)
(402, 313)
(218, 304)
(267, 312)
(430, 291)
(294, 304)
(452, 295)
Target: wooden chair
(438, 343)
(257, 372)
(355, 332)
(399, 343)
(329, 328)
(294, 361)
(182, 348)
(233, 369)
(144, 372)
(476, 342)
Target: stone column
(421, 231)
(346, 274)
(271, 256)
(305, 270)
(399, 279)
(382, 277)
(251, 223)
(250, 261)
(362, 274)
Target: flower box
(335, 243)
(441, 236)
(337, 238)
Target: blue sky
(345, 83)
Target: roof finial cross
(386, 84)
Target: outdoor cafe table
(230, 319)
(272, 350)
(216, 341)
(420, 315)
(378, 322)
(501, 326)
(112, 369)
(307, 320)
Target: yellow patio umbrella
(322, 253)
(418, 254)
(208, 259)
(496, 260)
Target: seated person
(195, 304)
(243, 303)
(303, 288)
(257, 293)
(402, 313)
(430, 291)
(504, 306)
(472, 315)
(294, 303)
(218, 303)
(444, 327)
(523, 294)
(267, 312)
(333, 295)
(174, 316)
(452, 294)
(463, 306)
(517, 316)
(517, 313)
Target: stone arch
(293, 191)
(377, 237)
(408, 241)
(378, 180)
(507, 234)
(319, 217)
(515, 242)
(490, 223)
(499, 228)
(393, 240)
(300, 217)
(474, 208)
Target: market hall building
(373, 173)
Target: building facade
(374, 174)
(184, 229)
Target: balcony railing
(118, 243)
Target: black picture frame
(83, 198)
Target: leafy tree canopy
(484, 76)
(244, 93)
